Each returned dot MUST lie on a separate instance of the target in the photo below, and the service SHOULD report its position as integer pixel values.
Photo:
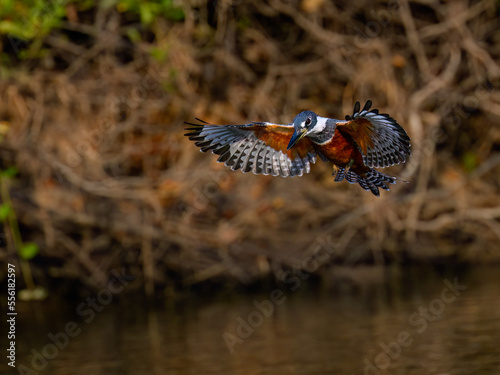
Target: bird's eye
(308, 121)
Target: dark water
(410, 321)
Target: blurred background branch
(94, 95)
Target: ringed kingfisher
(354, 146)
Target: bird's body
(364, 140)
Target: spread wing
(382, 141)
(259, 147)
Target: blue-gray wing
(258, 147)
(381, 140)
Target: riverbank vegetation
(93, 96)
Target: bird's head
(303, 124)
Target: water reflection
(374, 322)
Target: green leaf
(37, 294)
(5, 210)
(158, 54)
(146, 13)
(133, 34)
(9, 27)
(175, 14)
(29, 250)
(470, 161)
(9, 172)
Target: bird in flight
(355, 146)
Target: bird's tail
(371, 180)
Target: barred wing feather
(258, 147)
(382, 141)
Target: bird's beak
(297, 136)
